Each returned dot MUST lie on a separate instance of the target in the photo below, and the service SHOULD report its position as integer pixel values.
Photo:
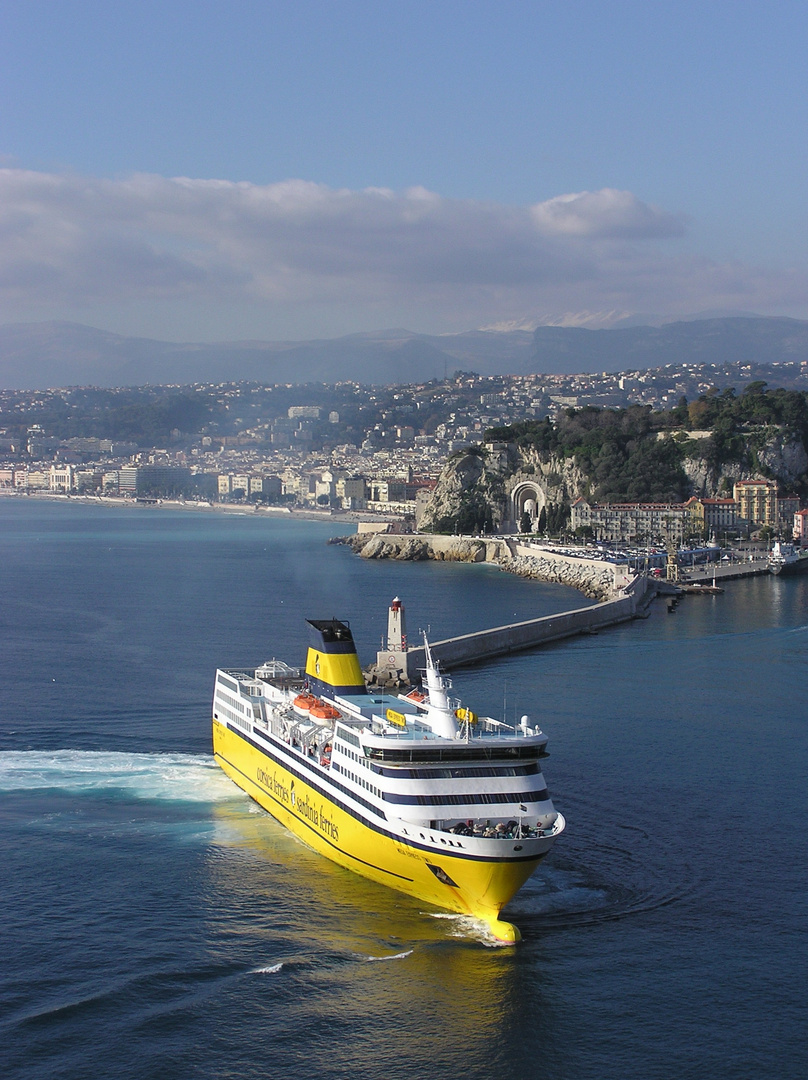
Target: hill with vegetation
(627, 455)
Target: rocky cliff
(494, 487)
(593, 579)
(483, 489)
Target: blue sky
(214, 170)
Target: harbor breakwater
(621, 596)
(595, 579)
(516, 637)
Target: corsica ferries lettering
(304, 807)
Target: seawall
(516, 637)
(593, 578)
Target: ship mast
(439, 715)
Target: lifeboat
(321, 711)
(304, 703)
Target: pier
(467, 649)
(626, 595)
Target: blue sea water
(156, 923)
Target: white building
(62, 478)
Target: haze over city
(275, 171)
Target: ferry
(413, 790)
(787, 559)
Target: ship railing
(310, 740)
(483, 829)
(501, 732)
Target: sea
(156, 923)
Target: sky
(210, 170)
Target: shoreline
(339, 517)
(596, 580)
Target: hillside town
(362, 450)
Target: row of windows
(233, 702)
(356, 779)
(354, 757)
(489, 797)
(452, 754)
(234, 718)
(348, 736)
(458, 774)
(229, 682)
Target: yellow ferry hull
(470, 885)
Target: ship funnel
(332, 666)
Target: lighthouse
(391, 663)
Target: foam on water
(467, 927)
(395, 956)
(154, 777)
(271, 969)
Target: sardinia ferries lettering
(304, 807)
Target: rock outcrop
(593, 579)
(489, 489)
(484, 489)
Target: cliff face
(773, 454)
(469, 495)
(485, 490)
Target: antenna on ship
(439, 714)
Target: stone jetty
(621, 595)
(593, 578)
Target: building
(757, 501)
(712, 517)
(62, 478)
(146, 479)
(35, 480)
(352, 492)
(304, 412)
(787, 507)
(631, 522)
(801, 528)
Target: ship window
(488, 798)
(531, 769)
(456, 754)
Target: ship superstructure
(787, 559)
(414, 791)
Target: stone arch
(527, 497)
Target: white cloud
(606, 213)
(68, 242)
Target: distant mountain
(39, 355)
(755, 339)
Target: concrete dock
(466, 649)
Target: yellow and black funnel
(332, 666)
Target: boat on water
(413, 790)
(787, 559)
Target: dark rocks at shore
(592, 579)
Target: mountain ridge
(59, 353)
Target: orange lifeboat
(304, 703)
(321, 711)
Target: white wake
(160, 777)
